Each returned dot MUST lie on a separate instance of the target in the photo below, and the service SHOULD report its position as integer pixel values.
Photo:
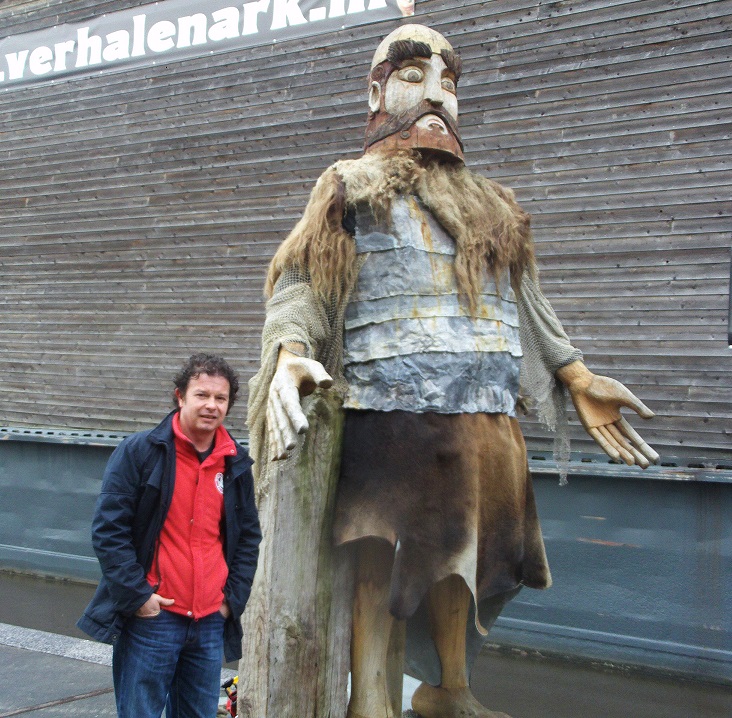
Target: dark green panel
(641, 574)
(47, 496)
(641, 567)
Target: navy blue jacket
(136, 492)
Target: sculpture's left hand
(597, 400)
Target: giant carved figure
(410, 284)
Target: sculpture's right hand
(294, 378)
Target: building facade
(147, 181)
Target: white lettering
(226, 24)
(16, 64)
(61, 49)
(337, 8)
(138, 35)
(89, 50)
(197, 28)
(118, 46)
(159, 36)
(251, 10)
(192, 25)
(39, 62)
(287, 12)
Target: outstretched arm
(306, 280)
(597, 400)
(294, 378)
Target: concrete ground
(48, 669)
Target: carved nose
(433, 91)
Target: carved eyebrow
(401, 50)
(453, 61)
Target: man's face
(204, 406)
(420, 79)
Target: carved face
(412, 94)
(418, 79)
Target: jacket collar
(163, 434)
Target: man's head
(205, 390)
(412, 93)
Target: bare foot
(431, 702)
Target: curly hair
(206, 364)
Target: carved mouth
(382, 125)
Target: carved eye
(448, 84)
(411, 74)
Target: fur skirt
(451, 492)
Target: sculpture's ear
(374, 97)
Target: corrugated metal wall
(139, 209)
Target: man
(177, 535)
(412, 281)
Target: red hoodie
(189, 563)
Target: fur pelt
(318, 244)
(490, 229)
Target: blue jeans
(170, 662)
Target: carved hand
(597, 400)
(294, 378)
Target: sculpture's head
(412, 94)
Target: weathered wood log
(297, 624)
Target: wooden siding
(139, 209)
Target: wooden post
(297, 624)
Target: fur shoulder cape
(490, 230)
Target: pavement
(48, 670)
(49, 675)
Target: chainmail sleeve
(546, 348)
(298, 321)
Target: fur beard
(490, 230)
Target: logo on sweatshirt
(219, 479)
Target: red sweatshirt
(189, 563)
